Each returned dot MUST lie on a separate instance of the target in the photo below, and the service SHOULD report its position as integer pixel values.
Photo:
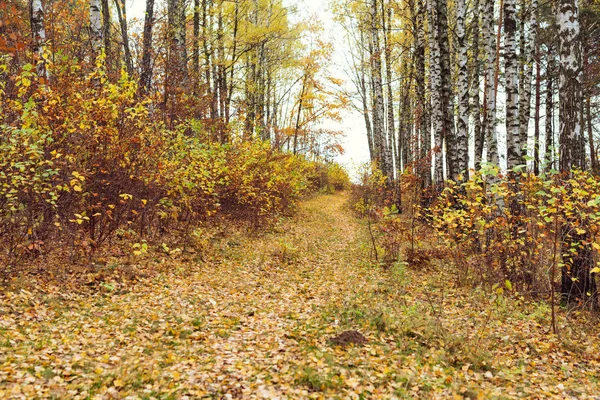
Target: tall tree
(512, 89)
(577, 282)
(435, 82)
(528, 47)
(489, 100)
(96, 27)
(422, 121)
(462, 145)
(146, 73)
(478, 132)
(38, 30)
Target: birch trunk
(489, 100)
(95, 27)
(378, 104)
(513, 142)
(476, 107)
(435, 82)
(388, 76)
(422, 123)
(36, 17)
(570, 85)
(462, 144)
(528, 64)
(448, 130)
(577, 282)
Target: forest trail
(256, 322)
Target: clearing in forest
(265, 318)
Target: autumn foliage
(86, 159)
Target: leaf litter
(263, 320)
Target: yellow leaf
(118, 383)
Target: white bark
(525, 87)
(462, 145)
(435, 82)
(378, 103)
(511, 75)
(96, 32)
(39, 36)
(570, 86)
(489, 106)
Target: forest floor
(257, 319)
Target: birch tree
(527, 59)
(423, 123)
(36, 18)
(462, 145)
(95, 27)
(570, 86)
(435, 83)
(489, 100)
(513, 142)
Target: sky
(352, 124)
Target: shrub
(83, 163)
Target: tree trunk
(106, 34)
(462, 144)
(196, 48)
(95, 27)
(476, 68)
(513, 142)
(448, 130)
(146, 74)
(577, 282)
(536, 133)
(36, 18)
(525, 86)
(435, 81)
(378, 101)
(122, 14)
(422, 121)
(549, 120)
(388, 74)
(489, 100)
(570, 89)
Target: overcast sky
(355, 141)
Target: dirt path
(256, 323)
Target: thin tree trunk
(196, 47)
(525, 89)
(388, 73)
(422, 121)
(549, 119)
(513, 142)
(106, 35)
(476, 107)
(489, 106)
(536, 135)
(462, 144)
(36, 19)
(448, 131)
(435, 80)
(378, 100)
(146, 74)
(122, 14)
